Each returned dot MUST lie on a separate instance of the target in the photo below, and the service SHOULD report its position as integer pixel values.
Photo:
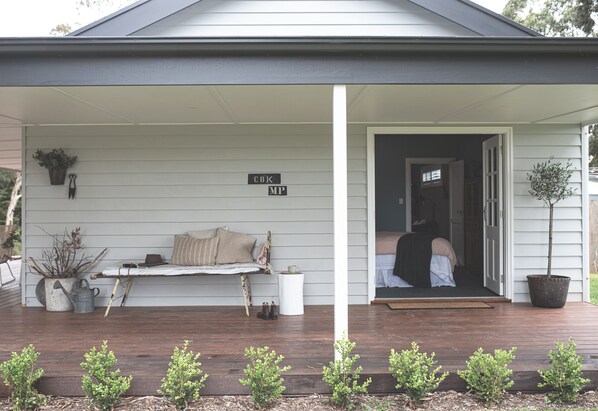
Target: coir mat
(438, 305)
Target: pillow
(205, 233)
(193, 251)
(234, 247)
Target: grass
(594, 289)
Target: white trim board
(585, 204)
(507, 133)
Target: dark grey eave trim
(475, 17)
(190, 61)
(516, 27)
(129, 44)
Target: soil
(440, 401)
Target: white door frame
(507, 133)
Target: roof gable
(304, 18)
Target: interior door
(493, 212)
(456, 200)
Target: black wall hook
(72, 186)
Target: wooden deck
(143, 339)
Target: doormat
(438, 305)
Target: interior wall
(391, 152)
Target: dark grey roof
(143, 13)
(135, 17)
(475, 17)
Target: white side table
(290, 293)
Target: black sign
(263, 179)
(277, 190)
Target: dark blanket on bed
(414, 253)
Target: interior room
(431, 185)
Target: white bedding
(176, 270)
(441, 273)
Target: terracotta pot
(57, 176)
(548, 292)
(56, 300)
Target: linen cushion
(205, 233)
(234, 247)
(193, 251)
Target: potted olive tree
(549, 183)
(63, 262)
(57, 162)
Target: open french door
(457, 205)
(493, 213)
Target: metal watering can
(81, 297)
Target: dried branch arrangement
(66, 258)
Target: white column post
(341, 243)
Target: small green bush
(488, 376)
(184, 378)
(264, 375)
(414, 372)
(103, 385)
(342, 378)
(19, 374)
(565, 377)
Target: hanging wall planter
(57, 162)
(57, 176)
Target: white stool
(290, 293)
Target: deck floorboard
(143, 339)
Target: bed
(442, 263)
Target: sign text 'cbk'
(263, 179)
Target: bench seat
(124, 275)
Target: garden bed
(440, 401)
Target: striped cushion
(193, 251)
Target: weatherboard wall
(532, 144)
(138, 186)
(10, 141)
(258, 18)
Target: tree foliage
(593, 142)
(7, 181)
(586, 16)
(554, 18)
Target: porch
(143, 339)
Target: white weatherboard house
(380, 116)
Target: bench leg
(112, 297)
(127, 288)
(246, 286)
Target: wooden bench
(125, 275)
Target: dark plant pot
(548, 292)
(57, 176)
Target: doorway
(459, 197)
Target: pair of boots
(269, 312)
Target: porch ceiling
(372, 104)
